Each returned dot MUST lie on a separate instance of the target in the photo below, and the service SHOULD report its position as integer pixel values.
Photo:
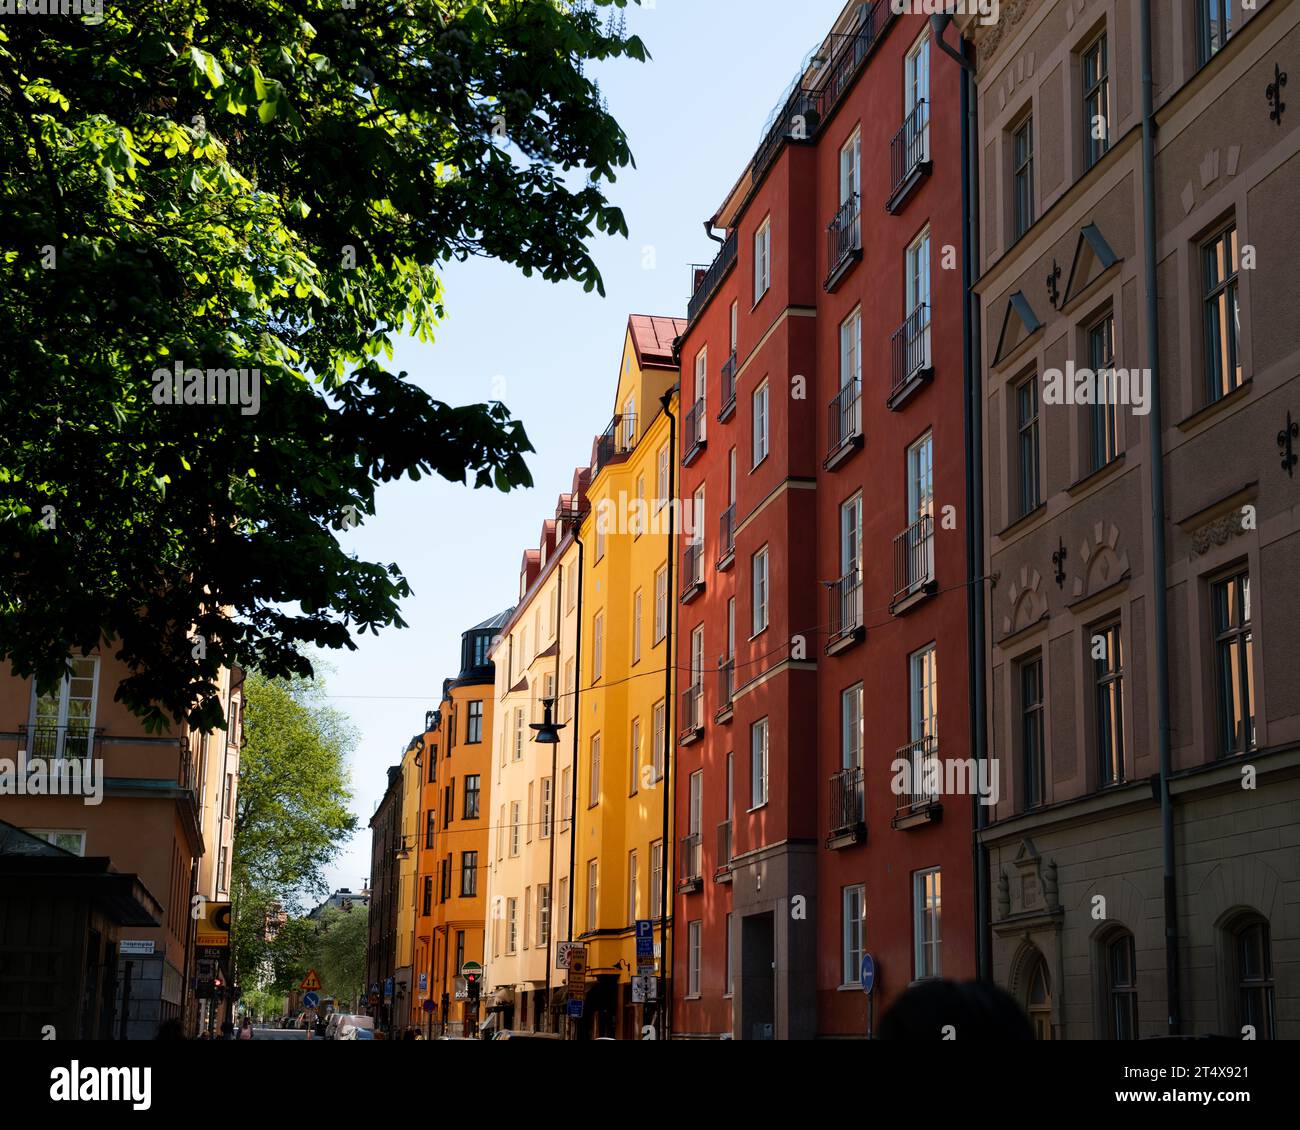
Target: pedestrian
(246, 1030)
(227, 1029)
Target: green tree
(340, 952)
(268, 186)
(291, 814)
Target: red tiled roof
(652, 338)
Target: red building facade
(823, 594)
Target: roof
(493, 623)
(652, 339)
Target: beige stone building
(1074, 536)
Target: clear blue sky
(694, 115)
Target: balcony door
(917, 336)
(63, 719)
(850, 188)
(920, 511)
(924, 697)
(701, 385)
(916, 95)
(851, 563)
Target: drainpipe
(551, 1018)
(973, 392)
(670, 740)
(1158, 567)
(577, 697)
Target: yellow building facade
(624, 704)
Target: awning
(487, 1020)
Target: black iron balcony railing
(727, 533)
(807, 107)
(692, 566)
(914, 558)
(726, 682)
(692, 716)
(923, 778)
(693, 430)
(618, 439)
(728, 387)
(50, 744)
(845, 416)
(843, 235)
(723, 864)
(846, 605)
(848, 800)
(911, 346)
(910, 146)
(691, 854)
(717, 270)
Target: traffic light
(473, 983)
(218, 988)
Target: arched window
(1252, 966)
(1038, 1002)
(1121, 986)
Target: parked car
(508, 1034)
(340, 1020)
(353, 1032)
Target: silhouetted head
(947, 1010)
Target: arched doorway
(1038, 998)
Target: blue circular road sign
(310, 1000)
(868, 973)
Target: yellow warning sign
(310, 982)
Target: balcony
(727, 538)
(909, 155)
(728, 388)
(692, 717)
(49, 746)
(692, 571)
(726, 687)
(691, 854)
(848, 816)
(844, 424)
(912, 362)
(722, 869)
(616, 441)
(693, 432)
(919, 803)
(913, 565)
(846, 614)
(709, 278)
(843, 242)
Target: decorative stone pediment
(1019, 324)
(1025, 600)
(1028, 884)
(1093, 257)
(1103, 563)
(1219, 532)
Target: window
(760, 402)
(734, 306)
(430, 827)
(849, 594)
(566, 798)
(591, 896)
(426, 907)
(1096, 103)
(701, 381)
(514, 828)
(634, 753)
(570, 687)
(855, 915)
(1022, 178)
(572, 596)
(474, 726)
(658, 739)
(758, 572)
(519, 735)
(444, 876)
(663, 489)
(1219, 258)
(468, 874)
(925, 922)
(695, 822)
(548, 786)
(633, 891)
(923, 678)
(448, 801)
(758, 764)
(63, 721)
(851, 169)
(1121, 987)
(656, 878)
(918, 289)
(1039, 1000)
(661, 603)
(528, 912)
(600, 538)
(1108, 679)
(564, 905)
(636, 626)
(528, 820)
(543, 914)
(1234, 664)
(227, 796)
(1215, 27)
(512, 925)
(916, 87)
(71, 841)
(597, 646)
(693, 930)
(1032, 748)
(1105, 413)
(851, 731)
(1253, 970)
(851, 352)
(460, 950)
(919, 544)
(640, 509)
(501, 833)
(1027, 448)
(762, 259)
(593, 777)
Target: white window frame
(926, 949)
(760, 440)
(852, 727)
(854, 936)
(64, 700)
(759, 740)
(762, 259)
(693, 933)
(760, 590)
